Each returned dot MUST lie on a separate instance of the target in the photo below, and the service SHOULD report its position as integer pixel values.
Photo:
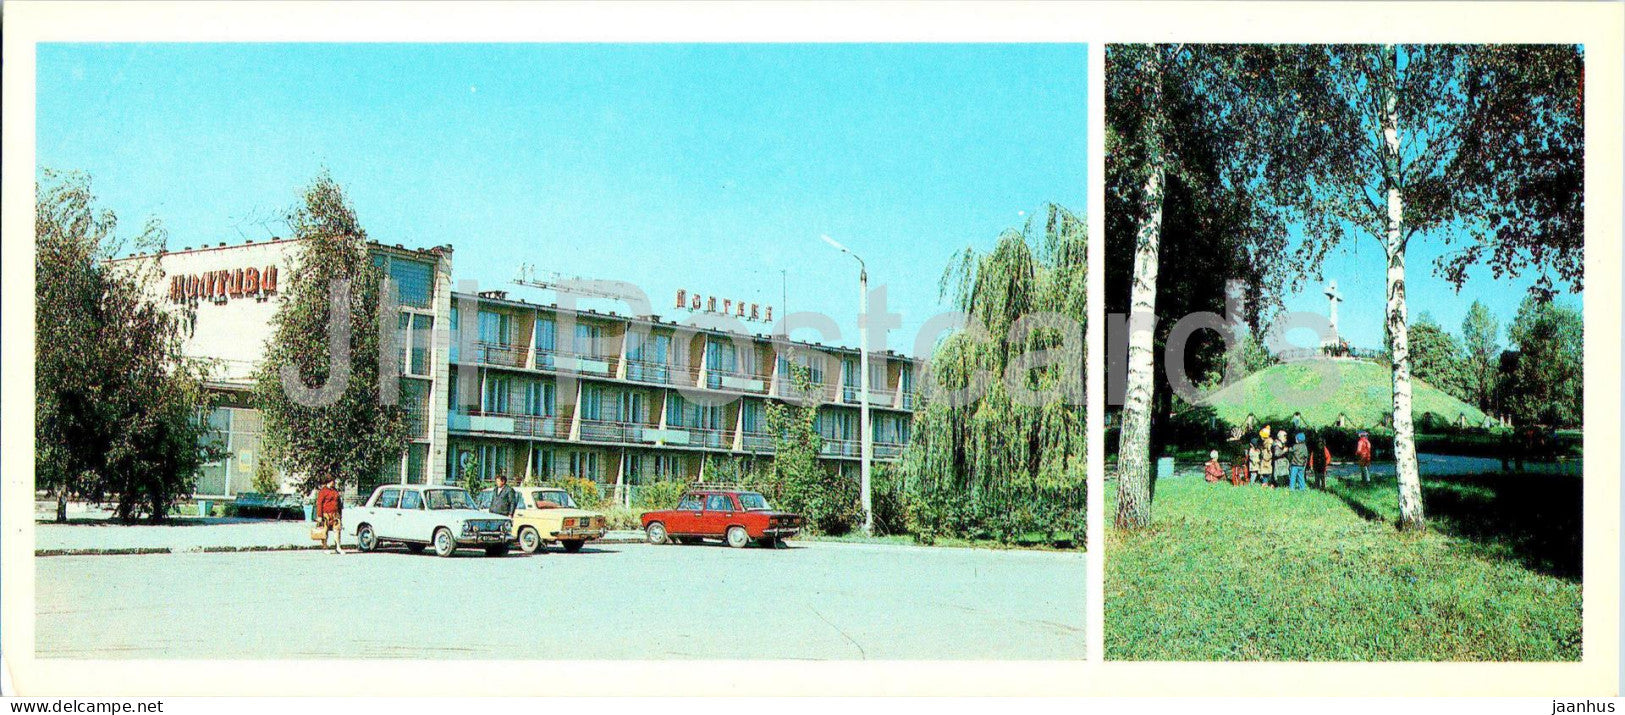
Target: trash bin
(310, 511)
(1165, 467)
(203, 508)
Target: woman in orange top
(329, 513)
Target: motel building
(535, 392)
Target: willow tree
(323, 387)
(1477, 148)
(997, 448)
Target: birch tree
(1475, 147)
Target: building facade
(495, 385)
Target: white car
(422, 516)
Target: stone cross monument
(1333, 298)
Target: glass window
(592, 402)
(390, 499)
(588, 338)
(497, 394)
(483, 499)
(554, 498)
(496, 327)
(584, 465)
(422, 335)
(719, 502)
(414, 282)
(541, 464)
(417, 463)
(493, 461)
(690, 502)
(448, 499)
(751, 501)
(411, 499)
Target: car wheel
(416, 548)
(444, 544)
(737, 537)
(529, 541)
(573, 545)
(656, 532)
(365, 538)
(497, 550)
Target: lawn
(1247, 573)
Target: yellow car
(549, 514)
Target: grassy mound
(1248, 573)
(1361, 391)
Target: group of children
(1272, 460)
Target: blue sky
(705, 167)
(1359, 267)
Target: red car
(737, 517)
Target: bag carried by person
(318, 533)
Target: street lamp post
(866, 451)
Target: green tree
(1438, 360)
(321, 387)
(1477, 147)
(1546, 382)
(796, 476)
(118, 406)
(1011, 461)
(1480, 338)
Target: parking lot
(813, 600)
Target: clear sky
(705, 167)
(1360, 269)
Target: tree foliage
(1438, 359)
(796, 477)
(118, 406)
(1545, 379)
(1480, 336)
(1002, 467)
(353, 435)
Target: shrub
(660, 495)
(585, 492)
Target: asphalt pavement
(810, 600)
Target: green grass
(1247, 574)
(1363, 392)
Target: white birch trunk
(1409, 480)
(1134, 442)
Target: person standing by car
(330, 513)
(504, 499)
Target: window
(721, 358)
(411, 499)
(546, 341)
(414, 282)
(497, 394)
(539, 399)
(690, 502)
(496, 327)
(546, 499)
(390, 499)
(681, 412)
(750, 416)
(719, 502)
(592, 402)
(584, 465)
(494, 460)
(588, 339)
(422, 338)
(541, 464)
(415, 401)
(417, 463)
(634, 407)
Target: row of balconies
(659, 373)
(636, 433)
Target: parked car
(737, 517)
(549, 514)
(424, 516)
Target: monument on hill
(1333, 339)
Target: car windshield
(448, 499)
(751, 501)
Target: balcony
(508, 423)
(877, 397)
(584, 363)
(736, 381)
(841, 448)
(652, 372)
(617, 432)
(500, 354)
(757, 442)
